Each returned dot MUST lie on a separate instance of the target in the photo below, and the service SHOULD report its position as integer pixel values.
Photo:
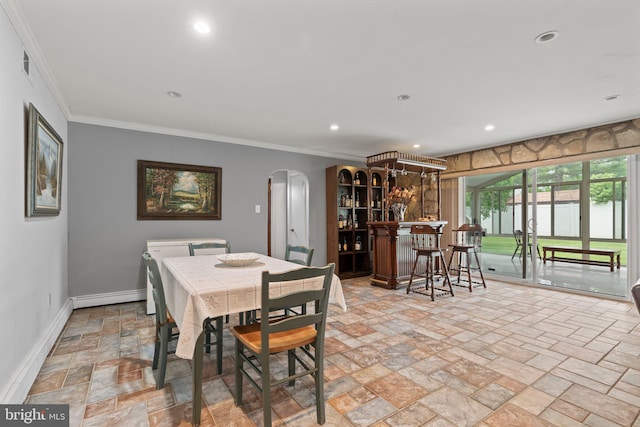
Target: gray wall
(106, 239)
(33, 251)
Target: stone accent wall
(618, 139)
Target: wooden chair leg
(447, 278)
(156, 351)
(319, 380)
(480, 269)
(238, 372)
(429, 275)
(468, 256)
(413, 271)
(450, 258)
(219, 344)
(266, 390)
(165, 334)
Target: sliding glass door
(496, 202)
(579, 205)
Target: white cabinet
(167, 248)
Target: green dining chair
(193, 247)
(298, 335)
(299, 254)
(166, 328)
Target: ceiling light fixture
(547, 36)
(174, 94)
(611, 97)
(403, 97)
(202, 27)
(416, 145)
(489, 127)
(334, 127)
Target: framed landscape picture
(44, 167)
(177, 191)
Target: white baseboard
(19, 384)
(109, 298)
(16, 390)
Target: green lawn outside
(505, 245)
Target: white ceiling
(277, 73)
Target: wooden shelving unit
(348, 210)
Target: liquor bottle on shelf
(374, 181)
(358, 245)
(349, 221)
(340, 222)
(356, 181)
(345, 246)
(355, 222)
(342, 199)
(357, 200)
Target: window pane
(506, 216)
(544, 210)
(566, 210)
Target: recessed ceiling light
(489, 127)
(612, 97)
(547, 36)
(403, 97)
(201, 27)
(174, 94)
(416, 145)
(334, 127)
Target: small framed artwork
(176, 191)
(44, 167)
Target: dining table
(199, 288)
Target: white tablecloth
(200, 287)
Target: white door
(289, 205)
(298, 216)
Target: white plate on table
(238, 260)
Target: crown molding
(31, 45)
(13, 11)
(207, 137)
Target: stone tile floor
(507, 355)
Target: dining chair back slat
(210, 248)
(299, 254)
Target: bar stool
(424, 241)
(467, 240)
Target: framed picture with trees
(44, 167)
(175, 191)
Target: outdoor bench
(610, 253)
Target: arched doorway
(288, 211)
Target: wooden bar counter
(392, 254)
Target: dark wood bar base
(392, 254)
